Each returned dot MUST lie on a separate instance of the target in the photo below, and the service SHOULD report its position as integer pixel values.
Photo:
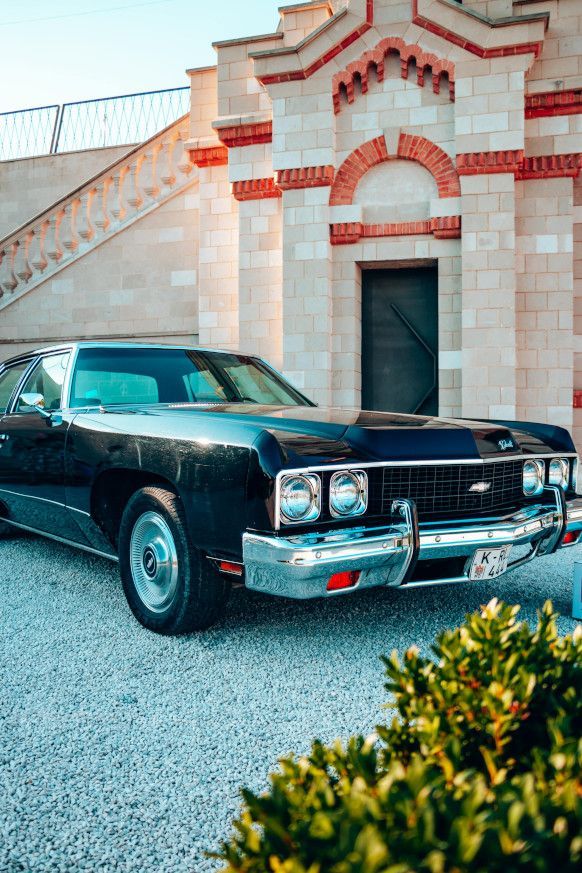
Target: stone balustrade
(131, 187)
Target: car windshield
(106, 376)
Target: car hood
(330, 435)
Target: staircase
(125, 191)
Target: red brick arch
(410, 147)
(375, 59)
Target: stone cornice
(550, 166)
(250, 133)
(294, 63)
(514, 161)
(255, 189)
(305, 177)
(207, 153)
(349, 232)
(566, 102)
(480, 163)
(478, 34)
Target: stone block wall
(140, 285)
(30, 185)
(545, 308)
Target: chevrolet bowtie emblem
(480, 487)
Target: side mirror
(36, 402)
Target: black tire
(6, 530)
(186, 592)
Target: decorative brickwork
(351, 232)
(359, 71)
(550, 166)
(354, 167)
(568, 102)
(305, 177)
(255, 189)
(536, 167)
(210, 156)
(410, 147)
(477, 163)
(246, 134)
(436, 161)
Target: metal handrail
(85, 124)
(85, 186)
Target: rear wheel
(170, 586)
(5, 530)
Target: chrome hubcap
(154, 561)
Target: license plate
(489, 563)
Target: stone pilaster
(307, 291)
(260, 279)
(218, 260)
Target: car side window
(47, 379)
(8, 381)
(96, 387)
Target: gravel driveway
(121, 750)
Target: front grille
(444, 488)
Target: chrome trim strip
(45, 500)
(66, 395)
(62, 540)
(32, 497)
(455, 580)
(356, 465)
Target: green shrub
(480, 771)
(494, 695)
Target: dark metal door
(400, 340)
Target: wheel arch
(111, 491)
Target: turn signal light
(343, 580)
(571, 537)
(229, 567)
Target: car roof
(110, 344)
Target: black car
(195, 468)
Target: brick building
(383, 197)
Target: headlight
(533, 478)
(574, 483)
(559, 472)
(348, 493)
(300, 497)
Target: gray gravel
(122, 750)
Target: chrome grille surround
(378, 471)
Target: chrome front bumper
(301, 566)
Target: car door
(32, 453)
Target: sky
(59, 51)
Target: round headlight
(300, 497)
(559, 472)
(348, 493)
(533, 478)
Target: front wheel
(170, 586)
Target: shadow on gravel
(91, 585)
